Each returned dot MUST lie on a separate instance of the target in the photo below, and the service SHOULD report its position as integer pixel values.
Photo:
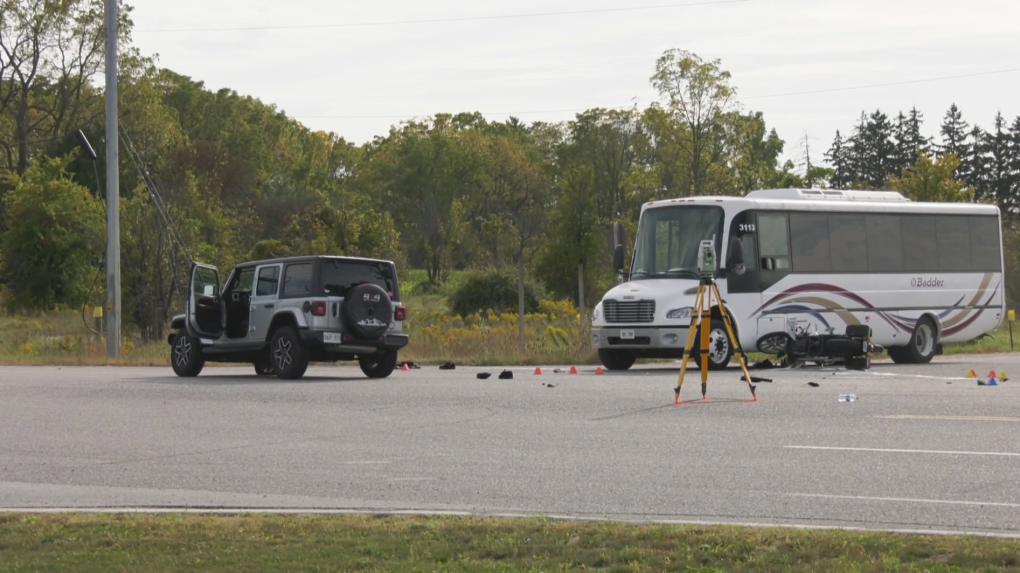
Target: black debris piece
(547, 385)
(506, 375)
(813, 384)
(483, 375)
(756, 379)
(448, 366)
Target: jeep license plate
(332, 338)
(626, 335)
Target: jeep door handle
(269, 306)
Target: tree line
(241, 180)
(963, 163)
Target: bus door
(774, 260)
(743, 291)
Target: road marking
(883, 450)
(368, 462)
(906, 500)
(960, 418)
(865, 375)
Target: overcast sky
(357, 80)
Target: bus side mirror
(618, 258)
(736, 256)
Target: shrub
(492, 290)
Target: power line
(444, 20)
(578, 110)
(830, 90)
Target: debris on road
(483, 375)
(506, 375)
(448, 366)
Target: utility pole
(112, 188)
(807, 161)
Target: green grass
(60, 338)
(87, 543)
(994, 342)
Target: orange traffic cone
(598, 371)
(573, 370)
(992, 374)
(971, 374)
(405, 368)
(538, 371)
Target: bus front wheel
(616, 359)
(720, 349)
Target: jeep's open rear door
(204, 304)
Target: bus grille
(630, 311)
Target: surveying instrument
(702, 314)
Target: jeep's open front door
(204, 304)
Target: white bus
(815, 261)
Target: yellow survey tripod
(702, 313)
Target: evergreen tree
(857, 153)
(996, 150)
(1010, 202)
(879, 150)
(837, 156)
(974, 166)
(914, 142)
(954, 135)
(903, 155)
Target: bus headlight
(679, 313)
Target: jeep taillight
(319, 308)
(401, 314)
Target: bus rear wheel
(921, 347)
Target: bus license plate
(332, 338)
(626, 335)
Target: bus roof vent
(826, 194)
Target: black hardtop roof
(309, 258)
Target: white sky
(385, 73)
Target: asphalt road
(922, 448)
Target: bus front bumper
(638, 338)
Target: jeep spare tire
(367, 311)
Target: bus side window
(774, 241)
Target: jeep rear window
(339, 276)
(298, 280)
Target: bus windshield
(668, 240)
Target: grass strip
(295, 543)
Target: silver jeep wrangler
(282, 314)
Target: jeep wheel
(378, 365)
(186, 357)
(290, 355)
